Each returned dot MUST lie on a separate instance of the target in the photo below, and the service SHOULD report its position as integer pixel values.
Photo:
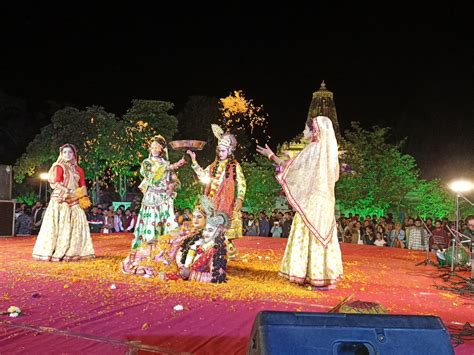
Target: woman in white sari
(65, 233)
(312, 254)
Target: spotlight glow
(459, 186)
(44, 176)
(205, 179)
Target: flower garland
(219, 261)
(229, 170)
(187, 243)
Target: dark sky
(408, 68)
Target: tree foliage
(262, 187)
(110, 148)
(381, 176)
(431, 199)
(88, 130)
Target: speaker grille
(5, 182)
(7, 218)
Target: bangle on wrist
(270, 156)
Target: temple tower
(322, 104)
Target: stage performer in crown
(224, 184)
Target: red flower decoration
(199, 250)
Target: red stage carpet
(71, 308)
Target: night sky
(410, 69)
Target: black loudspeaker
(7, 218)
(5, 182)
(338, 333)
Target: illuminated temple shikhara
(322, 104)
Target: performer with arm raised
(312, 254)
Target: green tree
(110, 148)
(381, 175)
(87, 129)
(145, 119)
(190, 188)
(262, 187)
(431, 199)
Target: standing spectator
(410, 222)
(252, 226)
(397, 236)
(276, 230)
(245, 218)
(185, 218)
(374, 219)
(357, 237)
(38, 213)
(24, 222)
(340, 230)
(469, 231)
(20, 210)
(135, 217)
(440, 239)
(38, 205)
(429, 223)
(417, 237)
(177, 215)
(286, 225)
(390, 218)
(347, 235)
(263, 224)
(95, 220)
(369, 236)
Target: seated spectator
(108, 222)
(118, 223)
(128, 221)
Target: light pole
(44, 177)
(459, 187)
